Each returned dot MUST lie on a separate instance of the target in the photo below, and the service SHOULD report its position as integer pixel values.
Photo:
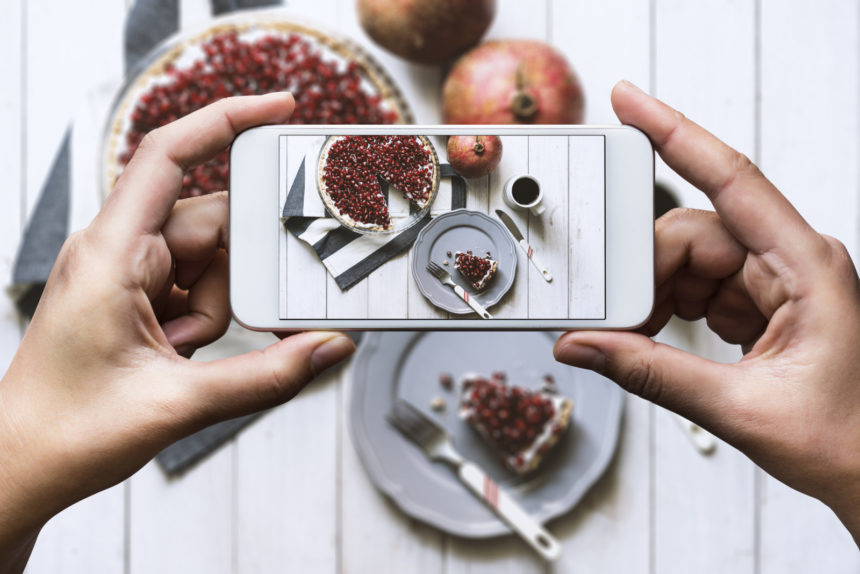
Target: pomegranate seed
(325, 92)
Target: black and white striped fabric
(349, 256)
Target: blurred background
(777, 79)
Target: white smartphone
(374, 227)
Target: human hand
(763, 279)
(101, 382)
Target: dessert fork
(445, 277)
(436, 443)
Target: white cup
(528, 194)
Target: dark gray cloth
(340, 239)
(148, 23)
(182, 455)
(45, 233)
(226, 6)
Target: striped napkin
(349, 256)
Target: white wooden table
(778, 79)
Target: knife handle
(530, 253)
(704, 441)
(472, 302)
(510, 511)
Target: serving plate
(391, 365)
(463, 230)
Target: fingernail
(331, 352)
(583, 356)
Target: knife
(704, 441)
(527, 249)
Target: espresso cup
(524, 192)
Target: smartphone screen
(386, 227)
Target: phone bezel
(629, 225)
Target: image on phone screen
(375, 225)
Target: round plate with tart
(355, 171)
(333, 80)
(409, 365)
(463, 230)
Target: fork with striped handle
(445, 277)
(436, 444)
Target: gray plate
(463, 230)
(397, 364)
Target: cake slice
(478, 270)
(521, 425)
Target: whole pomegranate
(426, 31)
(512, 81)
(474, 156)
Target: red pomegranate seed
(514, 417)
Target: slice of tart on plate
(521, 425)
(478, 270)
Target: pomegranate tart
(333, 81)
(478, 270)
(521, 425)
(353, 169)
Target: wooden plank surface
(810, 142)
(708, 85)
(516, 161)
(374, 535)
(287, 486)
(586, 242)
(12, 104)
(287, 493)
(184, 524)
(306, 278)
(90, 536)
(548, 232)
(508, 554)
(610, 531)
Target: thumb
(682, 382)
(258, 380)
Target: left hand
(101, 381)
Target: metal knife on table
(521, 241)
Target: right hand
(764, 279)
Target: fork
(445, 278)
(436, 444)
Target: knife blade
(521, 241)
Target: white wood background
(778, 79)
